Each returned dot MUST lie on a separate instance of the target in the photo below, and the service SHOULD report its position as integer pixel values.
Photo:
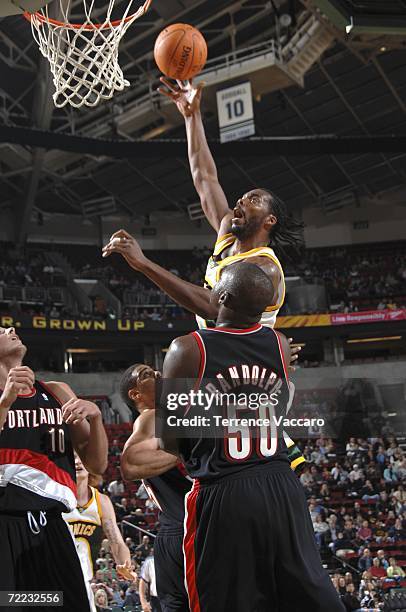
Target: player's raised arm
(142, 457)
(19, 379)
(190, 296)
(202, 166)
(180, 375)
(121, 552)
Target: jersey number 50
(240, 439)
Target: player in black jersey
(40, 426)
(249, 542)
(165, 481)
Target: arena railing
(139, 529)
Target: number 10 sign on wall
(236, 113)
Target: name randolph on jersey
(222, 390)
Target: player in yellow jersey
(259, 219)
(91, 521)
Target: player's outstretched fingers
(119, 236)
(170, 85)
(121, 233)
(115, 247)
(168, 94)
(68, 408)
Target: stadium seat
(395, 600)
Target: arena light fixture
(195, 211)
(87, 350)
(350, 26)
(98, 207)
(285, 20)
(362, 340)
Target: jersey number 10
(57, 440)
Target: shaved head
(245, 289)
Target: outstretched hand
(19, 380)
(294, 355)
(126, 571)
(186, 96)
(77, 410)
(126, 245)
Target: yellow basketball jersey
(85, 524)
(216, 266)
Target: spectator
(115, 449)
(356, 476)
(324, 492)
(130, 544)
(389, 474)
(320, 529)
(101, 600)
(148, 580)
(142, 493)
(342, 586)
(351, 448)
(349, 599)
(132, 597)
(306, 478)
(394, 571)
(377, 571)
(365, 561)
(144, 548)
(333, 530)
(122, 509)
(313, 512)
(117, 593)
(365, 533)
(102, 561)
(342, 545)
(397, 532)
(381, 456)
(116, 489)
(368, 493)
(400, 470)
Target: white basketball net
(84, 57)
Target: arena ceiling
(357, 88)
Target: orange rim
(88, 26)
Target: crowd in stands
(356, 495)
(357, 503)
(133, 509)
(18, 268)
(357, 277)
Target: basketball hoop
(83, 57)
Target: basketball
(180, 51)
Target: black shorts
(43, 561)
(250, 547)
(169, 570)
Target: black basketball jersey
(37, 467)
(246, 369)
(168, 492)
